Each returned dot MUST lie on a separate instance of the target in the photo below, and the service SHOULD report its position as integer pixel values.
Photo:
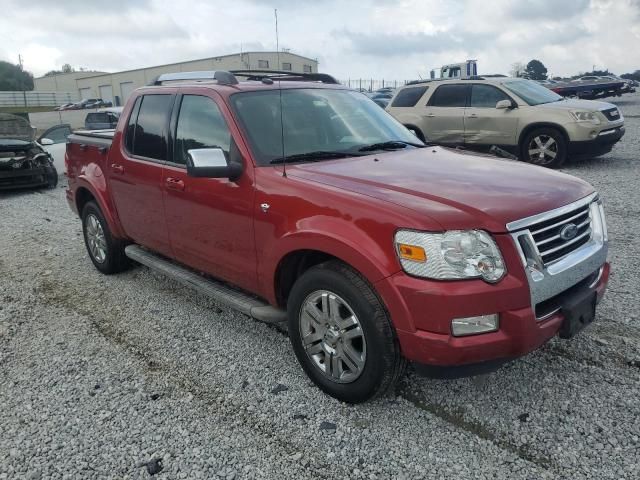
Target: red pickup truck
(294, 199)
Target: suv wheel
(342, 335)
(105, 251)
(545, 147)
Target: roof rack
(284, 75)
(223, 77)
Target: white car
(54, 141)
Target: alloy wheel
(96, 239)
(332, 336)
(542, 149)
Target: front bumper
(531, 303)
(23, 178)
(601, 144)
(520, 332)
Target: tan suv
(520, 116)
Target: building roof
(217, 57)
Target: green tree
(13, 78)
(632, 76)
(536, 70)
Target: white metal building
(117, 87)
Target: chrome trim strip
(541, 217)
(607, 132)
(548, 315)
(595, 282)
(566, 244)
(566, 220)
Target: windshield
(316, 123)
(531, 92)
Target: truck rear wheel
(342, 335)
(546, 147)
(105, 251)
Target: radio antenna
(284, 158)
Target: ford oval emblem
(569, 231)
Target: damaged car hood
(15, 131)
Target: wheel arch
(534, 126)
(417, 129)
(85, 193)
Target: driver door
(484, 124)
(210, 220)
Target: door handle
(115, 168)
(431, 115)
(174, 184)
(473, 115)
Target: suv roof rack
(284, 75)
(223, 77)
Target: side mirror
(211, 163)
(505, 104)
(46, 141)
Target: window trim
(173, 125)
(412, 87)
(493, 86)
(467, 96)
(135, 110)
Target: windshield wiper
(391, 145)
(312, 156)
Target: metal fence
(370, 84)
(37, 99)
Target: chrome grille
(551, 236)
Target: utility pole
(20, 61)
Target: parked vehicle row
(517, 115)
(85, 104)
(301, 201)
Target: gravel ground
(102, 376)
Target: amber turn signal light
(412, 252)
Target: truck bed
(93, 137)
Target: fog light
(473, 325)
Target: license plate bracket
(579, 311)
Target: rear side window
(130, 133)
(149, 139)
(200, 125)
(454, 95)
(486, 96)
(408, 97)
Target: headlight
(587, 117)
(453, 255)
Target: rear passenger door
(210, 220)
(443, 118)
(135, 172)
(484, 124)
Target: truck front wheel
(342, 335)
(105, 251)
(546, 147)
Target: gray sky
(369, 38)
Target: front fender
(369, 253)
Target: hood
(458, 190)
(576, 104)
(13, 127)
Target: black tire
(383, 364)
(114, 259)
(553, 155)
(51, 177)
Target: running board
(216, 290)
